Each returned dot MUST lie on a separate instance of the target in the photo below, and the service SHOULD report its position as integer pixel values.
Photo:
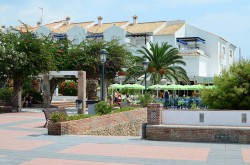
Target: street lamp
(103, 54)
(145, 67)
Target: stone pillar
(154, 111)
(82, 89)
(46, 91)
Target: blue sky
(229, 19)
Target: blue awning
(95, 36)
(60, 36)
(181, 41)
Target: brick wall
(198, 133)
(119, 124)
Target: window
(231, 53)
(224, 50)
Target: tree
(85, 56)
(23, 55)
(164, 62)
(232, 89)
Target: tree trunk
(17, 95)
(92, 89)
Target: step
(63, 103)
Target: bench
(5, 107)
(49, 111)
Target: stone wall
(127, 123)
(198, 133)
(193, 133)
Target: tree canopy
(232, 89)
(164, 62)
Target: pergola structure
(81, 75)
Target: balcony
(191, 52)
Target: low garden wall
(231, 126)
(239, 118)
(127, 123)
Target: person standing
(166, 97)
(116, 95)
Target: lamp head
(145, 64)
(103, 55)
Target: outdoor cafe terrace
(188, 101)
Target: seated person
(26, 100)
(129, 99)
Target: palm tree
(164, 62)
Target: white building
(205, 54)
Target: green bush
(103, 108)
(232, 89)
(145, 99)
(58, 117)
(6, 94)
(78, 117)
(124, 109)
(37, 97)
(68, 88)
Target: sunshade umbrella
(173, 87)
(156, 87)
(116, 86)
(194, 87)
(134, 86)
(210, 87)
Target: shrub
(145, 99)
(6, 94)
(68, 88)
(103, 108)
(124, 109)
(58, 117)
(37, 97)
(78, 117)
(232, 88)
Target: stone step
(63, 103)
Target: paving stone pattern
(23, 140)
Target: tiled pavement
(24, 141)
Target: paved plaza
(24, 141)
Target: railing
(183, 103)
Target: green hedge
(6, 94)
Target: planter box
(238, 118)
(54, 128)
(231, 126)
(126, 123)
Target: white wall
(192, 65)
(170, 39)
(211, 118)
(43, 31)
(115, 32)
(76, 33)
(210, 47)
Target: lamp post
(145, 67)
(103, 54)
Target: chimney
(67, 20)
(38, 24)
(99, 20)
(135, 19)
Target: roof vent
(67, 20)
(38, 24)
(135, 18)
(99, 20)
